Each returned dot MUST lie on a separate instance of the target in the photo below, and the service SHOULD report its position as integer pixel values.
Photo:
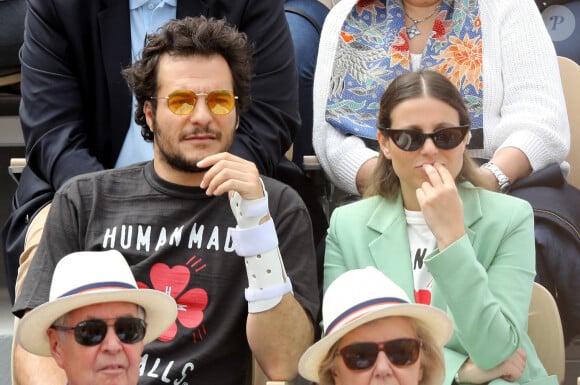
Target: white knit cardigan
(523, 102)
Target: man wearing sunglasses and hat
(97, 320)
(233, 248)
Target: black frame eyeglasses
(183, 102)
(363, 355)
(412, 140)
(129, 330)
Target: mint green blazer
(483, 281)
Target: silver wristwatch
(502, 179)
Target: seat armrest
(16, 167)
(311, 163)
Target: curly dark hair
(408, 86)
(187, 37)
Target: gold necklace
(412, 30)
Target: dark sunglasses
(182, 102)
(412, 140)
(363, 355)
(93, 331)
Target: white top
(421, 243)
(523, 102)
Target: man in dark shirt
(172, 219)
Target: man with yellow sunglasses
(199, 223)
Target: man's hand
(228, 174)
(510, 370)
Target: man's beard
(175, 159)
(181, 164)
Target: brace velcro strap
(255, 240)
(253, 295)
(267, 281)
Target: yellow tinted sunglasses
(182, 102)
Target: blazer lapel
(471, 208)
(472, 214)
(390, 250)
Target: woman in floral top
(498, 53)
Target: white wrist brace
(258, 244)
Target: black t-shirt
(177, 240)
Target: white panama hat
(87, 278)
(360, 296)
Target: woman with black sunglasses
(449, 244)
(373, 334)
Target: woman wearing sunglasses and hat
(372, 332)
(446, 242)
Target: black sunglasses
(92, 332)
(412, 140)
(363, 355)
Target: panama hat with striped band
(360, 296)
(90, 277)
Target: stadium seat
(570, 75)
(545, 331)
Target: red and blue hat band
(360, 310)
(98, 286)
